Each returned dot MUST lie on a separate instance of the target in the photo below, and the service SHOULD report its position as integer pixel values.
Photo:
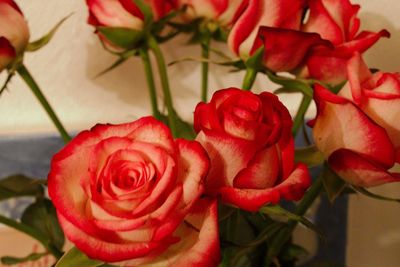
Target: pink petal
(106, 251)
(358, 170)
(13, 26)
(225, 166)
(334, 20)
(292, 188)
(261, 172)
(281, 14)
(199, 241)
(340, 124)
(112, 13)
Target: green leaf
(292, 252)
(122, 58)
(7, 81)
(279, 211)
(333, 184)
(255, 61)
(20, 185)
(296, 85)
(336, 88)
(367, 193)
(184, 130)
(74, 257)
(42, 216)
(310, 156)
(147, 12)
(7, 260)
(122, 37)
(36, 45)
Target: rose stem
(27, 77)
(299, 119)
(144, 54)
(249, 79)
(205, 54)
(32, 233)
(164, 83)
(283, 236)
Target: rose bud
(123, 14)
(276, 25)
(14, 32)
(248, 139)
(337, 22)
(224, 13)
(130, 194)
(358, 130)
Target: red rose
(337, 22)
(224, 12)
(14, 32)
(249, 141)
(123, 14)
(358, 130)
(128, 193)
(276, 25)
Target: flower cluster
(149, 192)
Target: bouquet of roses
(230, 188)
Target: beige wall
(65, 70)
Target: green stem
(144, 54)
(283, 236)
(299, 119)
(27, 77)
(249, 79)
(32, 233)
(205, 54)
(164, 83)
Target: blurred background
(66, 70)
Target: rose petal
(13, 26)
(229, 155)
(7, 53)
(252, 199)
(285, 49)
(358, 170)
(261, 172)
(199, 241)
(106, 251)
(112, 13)
(336, 21)
(283, 14)
(340, 124)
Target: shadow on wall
(127, 80)
(385, 54)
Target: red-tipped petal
(292, 188)
(285, 49)
(106, 251)
(340, 124)
(262, 171)
(358, 170)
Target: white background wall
(65, 71)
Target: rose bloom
(248, 138)
(123, 13)
(337, 22)
(223, 12)
(276, 25)
(358, 130)
(130, 193)
(14, 32)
